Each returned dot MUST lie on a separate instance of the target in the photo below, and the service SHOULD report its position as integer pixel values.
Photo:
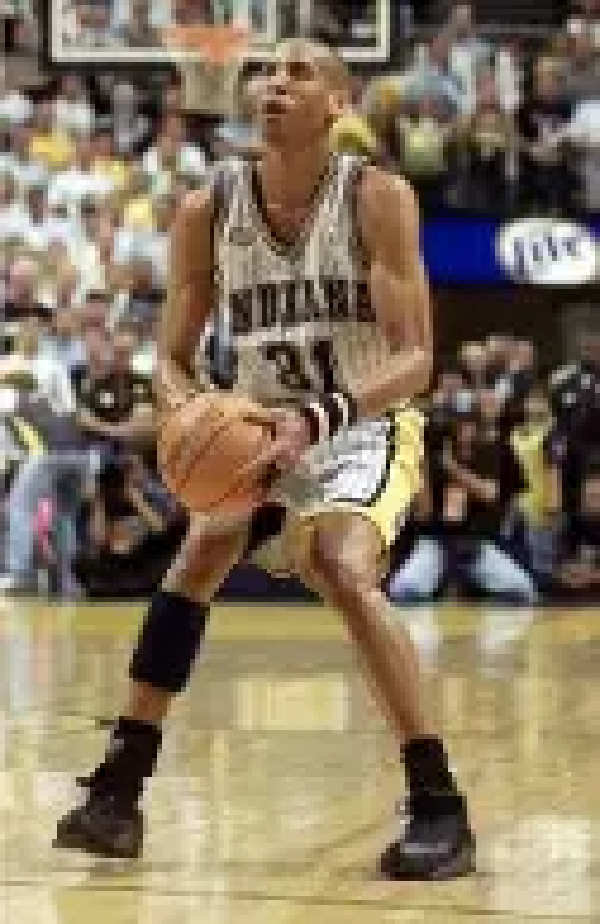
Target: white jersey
(293, 321)
(298, 316)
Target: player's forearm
(407, 377)
(174, 382)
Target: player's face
(294, 101)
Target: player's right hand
(290, 440)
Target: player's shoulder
(380, 188)
(386, 206)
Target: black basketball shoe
(437, 842)
(110, 823)
(104, 826)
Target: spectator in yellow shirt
(106, 163)
(352, 134)
(47, 145)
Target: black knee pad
(168, 642)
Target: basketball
(214, 469)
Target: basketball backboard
(101, 33)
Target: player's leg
(345, 565)
(110, 823)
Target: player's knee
(169, 642)
(337, 560)
(201, 566)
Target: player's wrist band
(326, 415)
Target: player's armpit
(189, 300)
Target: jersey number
(317, 375)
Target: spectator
(541, 120)
(468, 55)
(433, 76)
(138, 32)
(130, 125)
(47, 376)
(459, 540)
(574, 392)
(20, 301)
(580, 568)
(582, 65)
(138, 213)
(78, 182)
(422, 151)
(73, 114)
(584, 135)
(15, 108)
(105, 162)
(587, 23)
(487, 138)
(535, 513)
(47, 145)
(18, 162)
(172, 156)
(115, 404)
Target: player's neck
(290, 177)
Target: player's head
(301, 93)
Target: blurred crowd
(489, 120)
(91, 172)
(509, 504)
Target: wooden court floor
(277, 787)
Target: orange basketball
(208, 451)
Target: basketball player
(307, 264)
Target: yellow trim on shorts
(395, 496)
(387, 511)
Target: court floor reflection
(278, 782)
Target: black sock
(427, 770)
(129, 761)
